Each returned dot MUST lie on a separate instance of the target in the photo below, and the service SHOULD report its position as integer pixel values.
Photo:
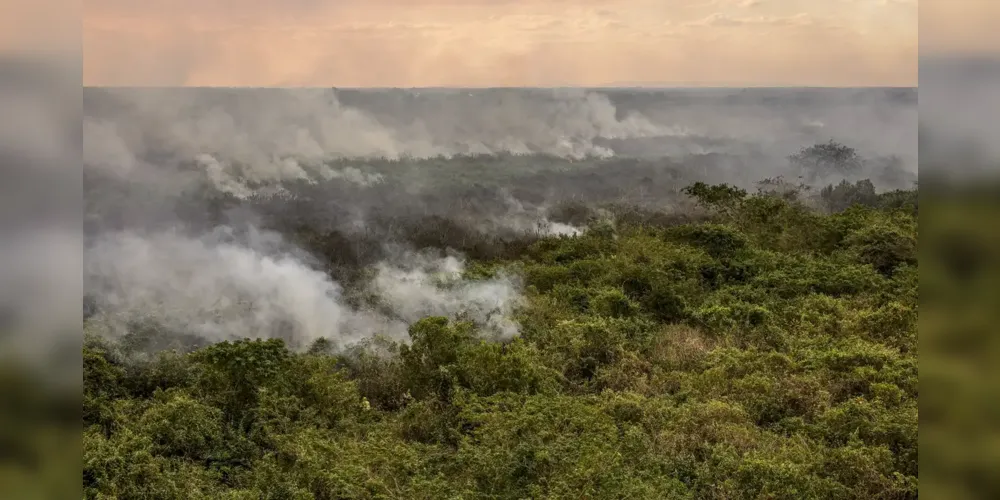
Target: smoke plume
(197, 198)
(219, 287)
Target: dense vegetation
(760, 348)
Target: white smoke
(418, 285)
(276, 135)
(354, 175)
(243, 183)
(529, 219)
(219, 289)
(104, 147)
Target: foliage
(769, 352)
(845, 194)
(827, 158)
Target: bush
(717, 240)
(613, 303)
(884, 248)
(180, 425)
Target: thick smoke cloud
(272, 135)
(184, 187)
(218, 288)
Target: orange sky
(499, 42)
(503, 42)
(957, 26)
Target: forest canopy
(759, 347)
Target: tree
(722, 197)
(827, 158)
(841, 196)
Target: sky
(418, 43)
(959, 27)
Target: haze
(421, 43)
